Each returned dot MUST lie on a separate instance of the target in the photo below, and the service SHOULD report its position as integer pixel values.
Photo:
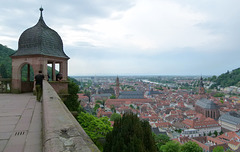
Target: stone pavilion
(38, 47)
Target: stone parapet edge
(61, 131)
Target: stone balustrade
(61, 131)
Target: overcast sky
(133, 37)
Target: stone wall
(61, 87)
(27, 86)
(61, 131)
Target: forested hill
(5, 61)
(227, 79)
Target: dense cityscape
(183, 108)
(120, 76)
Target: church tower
(117, 87)
(201, 91)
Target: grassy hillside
(5, 61)
(227, 79)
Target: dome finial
(41, 10)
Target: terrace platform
(30, 126)
(20, 123)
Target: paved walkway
(20, 123)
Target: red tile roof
(207, 123)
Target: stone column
(45, 69)
(16, 76)
(53, 72)
(28, 72)
(64, 69)
(60, 67)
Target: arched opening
(27, 78)
(49, 72)
(53, 68)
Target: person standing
(39, 79)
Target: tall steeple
(117, 87)
(201, 91)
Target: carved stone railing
(5, 85)
(61, 131)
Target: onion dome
(40, 40)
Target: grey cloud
(85, 9)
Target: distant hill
(227, 79)
(5, 61)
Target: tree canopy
(161, 140)
(113, 97)
(171, 146)
(227, 79)
(115, 116)
(130, 134)
(218, 149)
(72, 100)
(190, 147)
(5, 61)
(93, 126)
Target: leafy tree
(74, 80)
(96, 107)
(190, 147)
(72, 100)
(215, 133)
(171, 146)
(5, 60)
(161, 140)
(210, 134)
(131, 106)
(219, 94)
(102, 102)
(179, 130)
(115, 116)
(99, 101)
(138, 107)
(130, 134)
(88, 94)
(113, 108)
(221, 132)
(148, 140)
(213, 78)
(221, 101)
(93, 126)
(218, 149)
(227, 79)
(24, 73)
(80, 108)
(3, 71)
(113, 97)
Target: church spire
(117, 87)
(201, 87)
